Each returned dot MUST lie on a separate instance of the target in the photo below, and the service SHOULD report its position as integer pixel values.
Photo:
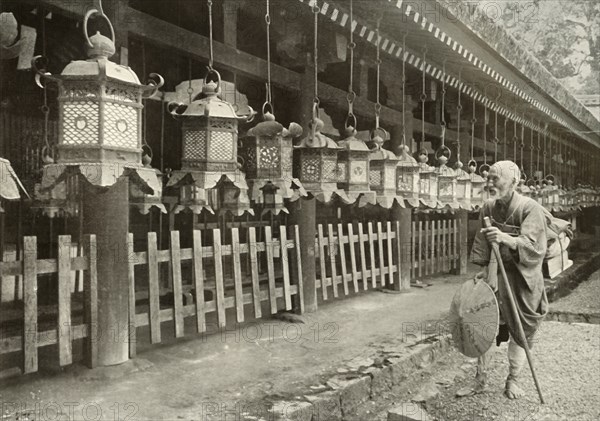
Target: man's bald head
(507, 169)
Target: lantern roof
(476, 178)
(351, 142)
(269, 128)
(318, 139)
(209, 104)
(445, 171)
(405, 159)
(100, 49)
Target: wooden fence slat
(219, 280)
(413, 252)
(363, 258)
(299, 280)
(131, 279)
(237, 275)
(331, 254)
(444, 245)
(421, 245)
(440, 258)
(455, 259)
(427, 248)
(381, 253)
(30, 321)
(65, 353)
(254, 272)
(352, 244)
(271, 270)
(285, 267)
(399, 251)
(433, 254)
(177, 284)
(372, 253)
(322, 263)
(90, 293)
(343, 258)
(153, 290)
(390, 254)
(198, 274)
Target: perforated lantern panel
(329, 166)
(390, 177)
(341, 171)
(375, 178)
(80, 123)
(194, 144)
(310, 166)
(446, 188)
(221, 146)
(269, 158)
(120, 126)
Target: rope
(190, 90)
(210, 34)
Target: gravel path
(567, 363)
(585, 299)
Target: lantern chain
(485, 121)
(458, 115)
(269, 99)
(496, 140)
(539, 148)
(443, 122)
(351, 94)
(378, 62)
(522, 146)
(316, 10)
(505, 141)
(473, 121)
(404, 90)
(210, 34)
(45, 108)
(423, 98)
(515, 137)
(190, 89)
(531, 150)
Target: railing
(352, 259)
(435, 244)
(31, 328)
(204, 279)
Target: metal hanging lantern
(210, 160)
(446, 177)
(463, 187)
(478, 185)
(354, 168)
(316, 163)
(268, 164)
(100, 135)
(428, 181)
(407, 178)
(382, 171)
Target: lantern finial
(100, 47)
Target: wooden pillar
(403, 217)
(230, 20)
(115, 10)
(463, 240)
(107, 216)
(303, 211)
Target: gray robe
(525, 220)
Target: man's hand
(481, 276)
(494, 235)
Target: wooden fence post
(403, 224)
(463, 245)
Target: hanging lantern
(210, 160)
(484, 171)
(315, 163)
(268, 161)
(478, 185)
(407, 178)
(382, 171)
(354, 168)
(10, 185)
(446, 179)
(463, 187)
(428, 186)
(100, 110)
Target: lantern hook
(155, 82)
(211, 70)
(100, 13)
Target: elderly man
(519, 227)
